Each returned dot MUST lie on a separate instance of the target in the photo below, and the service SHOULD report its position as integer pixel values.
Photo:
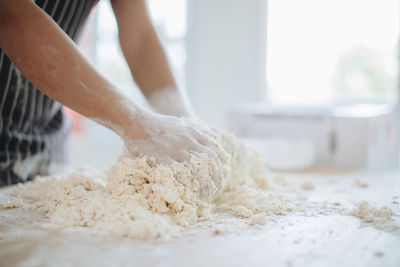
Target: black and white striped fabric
(33, 129)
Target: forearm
(148, 64)
(141, 47)
(147, 60)
(52, 62)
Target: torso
(33, 128)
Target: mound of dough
(139, 198)
(380, 218)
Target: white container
(353, 136)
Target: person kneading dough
(42, 69)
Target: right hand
(167, 138)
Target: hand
(167, 138)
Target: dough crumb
(380, 218)
(223, 229)
(259, 219)
(360, 184)
(307, 185)
(280, 180)
(10, 203)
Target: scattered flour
(307, 186)
(360, 183)
(10, 203)
(142, 199)
(280, 181)
(139, 198)
(381, 218)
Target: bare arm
(52, 62)
(147, 60)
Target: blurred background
(311, 84)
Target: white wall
(226, 46)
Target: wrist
(120, 115)
(135, 124)
(138, 128)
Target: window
(169, 18)
(100, 40)
(321, 52)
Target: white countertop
(311, 239)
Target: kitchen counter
(309, 239)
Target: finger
(210, 153)
(184, 157)
(203, 137)
(206, 141)
(165, 160)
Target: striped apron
(33, 129)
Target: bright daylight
(200, 133)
